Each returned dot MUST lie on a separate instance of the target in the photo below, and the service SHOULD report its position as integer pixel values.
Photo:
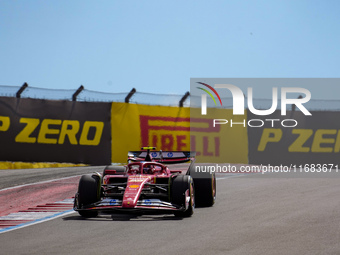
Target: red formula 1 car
(146, 185)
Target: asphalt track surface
(252, 215)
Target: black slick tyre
(180, 185)
(119, 169)
(88, 193)
(205, 188)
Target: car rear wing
(167, 157)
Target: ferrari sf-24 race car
(146, 185)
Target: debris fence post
(181, 102)
(74, 96)
(22, 88)
(127, 98)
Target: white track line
(42, 182)
(34, 217)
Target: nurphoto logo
(239, 103)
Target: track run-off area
(253, 214)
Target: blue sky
(157, 46)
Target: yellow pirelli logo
(55, 131)
(322, 140)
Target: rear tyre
(119, 169)
(180, 185)
(88, 193)
(205, 187)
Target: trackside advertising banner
(314, 141)
(282, 122)
(216, 143)
(134, 126)
(33, 130)
(168, 129)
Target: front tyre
(88, 193)
(181, 185)
(205, 188)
